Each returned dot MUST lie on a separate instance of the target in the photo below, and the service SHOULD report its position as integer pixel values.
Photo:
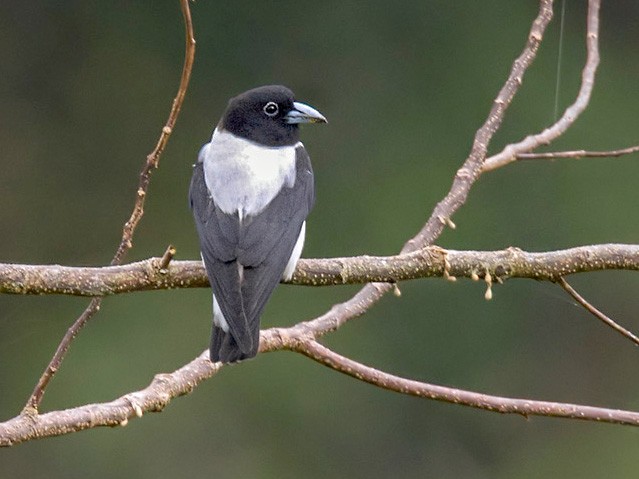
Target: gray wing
(261, 244)
(219, 237)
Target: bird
(251, 191)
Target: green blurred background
(85, 87)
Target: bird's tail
(224, 348)
(232, 339)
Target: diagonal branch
(509, 154)
(154, 398)
(472, 167)
(596, 313)
(500, 404)
(432, 261)
(462, 183)
(126, 242)
(166, 387)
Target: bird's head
(268, 115)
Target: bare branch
(595, 312)
(168, 256)
(577, 154)
(300, 338)
(500, 404)
(153, 158)
(153, 398)
(432, 261)
(462, 183)
(472, 167)
(509, 154)
(126, 242)
(416, 260)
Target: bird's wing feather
(261, 244)
(219, 236)
(268, 239)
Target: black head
(268, 115)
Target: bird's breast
(243, 177)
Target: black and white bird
(251, 191)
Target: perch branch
(432, 261)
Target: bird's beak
(302, 113)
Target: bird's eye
(271, 108)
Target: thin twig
(576, 154)
(596, 313)
(154, 157)
(432, 261)
(31, 407)
(462, 183)
(126, 242)
(509, 154)
(166, 259)
(500, 404)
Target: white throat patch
(243, 176)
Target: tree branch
(126, 242)
(472, 167)
(432, 261)
(464, 179)
(577, 154)
(153, 398)
(509, 154)
(415, 261)
(596, 313)
(300, 338)
(500, 404)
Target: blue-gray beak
(302, 113)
